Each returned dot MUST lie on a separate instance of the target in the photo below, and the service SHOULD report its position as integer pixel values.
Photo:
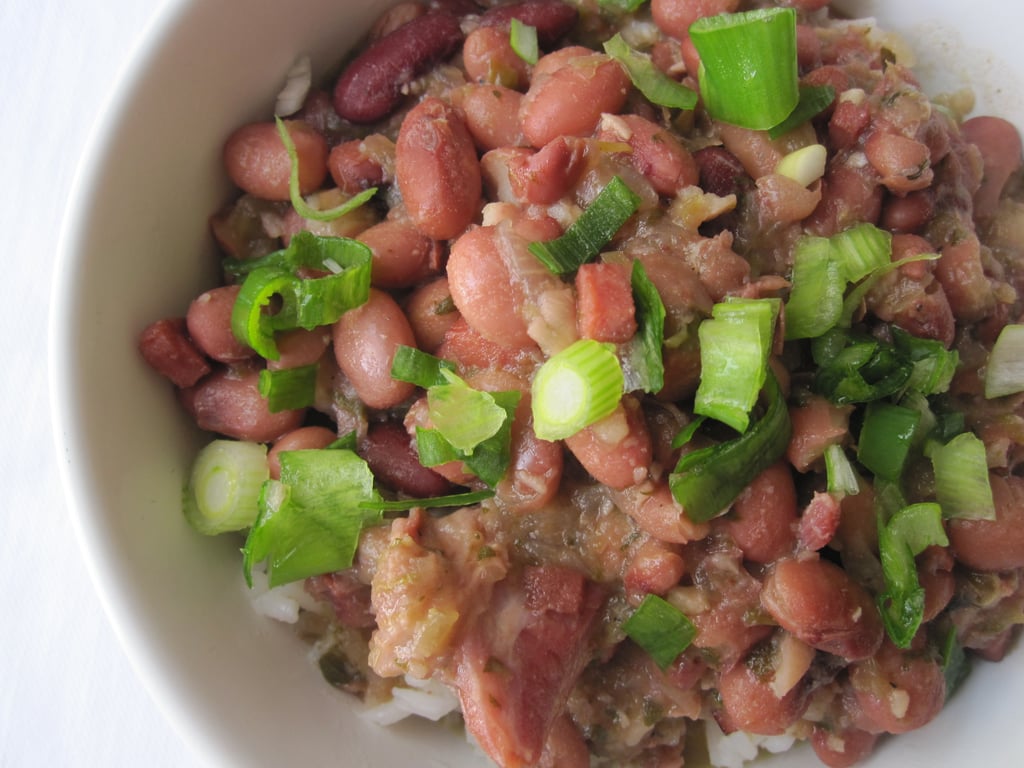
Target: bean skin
(437, 170)
(488, 58)
(820, 604)
(402, 255)
(303, 438)
(209, 325)
(431, 313)
(257, 162)
(570, 100)
(365, 340)
(762, 519)
(552, 19)
(370, 88)
(993, 545)
(897, 691)
(750, 704)
(492, 114)
(617, 450)
(229, 403)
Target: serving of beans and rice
(560, 587)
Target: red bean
(655, 153)
(488, 58)
(353, 169)
(896, 691)
(551, 18)
(819, 603)
(850, 194)
(1000, 146)
(371, 86)
(616, 451)
(749, 703)
(209, 325)
(492, 115)
(165, 346)
(721, 173)
(993, 545)
(762, 518)
(389, 453)
(674, 17)
(908, 214)
(402, 255)
(903, 164)
(962, 275)
(431, 313)
(303, 438)
(817, 424)
(418, 415)
(842, 748)
(657, 513)
(256, 160)
(229, 403)
(569, 99)
(545, 176)
(365, 340)
(471, 351)
(654, 568)
(783, 200)
(437, 170)
(300, 347)
(535, 471)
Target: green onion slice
(224, 486)
(310, 520)
(734, 347)
(816, 299)
(840, 476)
(661, 629)
(962, 485)
(591, 232)
(523, 39)
(1005, 372)
(432, 502)
(658, 87)
(933, 364)
(626, 6)
(643, 366)
(298, 202)
(748, 72)
(250, 319)
(418, 367)
(813, 100)
(463, 415)
(886, 438)
(575, 388)
(707, 481)
(287, 389)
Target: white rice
(424, 698)
(280, 603)
(738, 748)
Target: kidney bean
(656, 512)
(935, 573)
(209, 324)
(257, 162)
(352, 169)
(850, 194)
(850, 118)
(229, 403)
(402, 255)
(897, 691)
(535, 471)
(817, 424)
(656, 153)
(300, 347)
(551, 18)
(492, 114)
(819, 603)
(168, 350)
(654, 568)
(616, 450)
(418, 415)
(318, 113)
(471, 351)
(962, 275)
(365, 340)
(674, 17)
(545, 176)
(908, 214)
(842, 748)
(782, 200)
(720, 172)
(750, 704)
(431, 313)
(388, 450)
(568, 96)
(1000, 147)
(301, 439)
(370, 87)
(902, 163)
(488, 58)
(763, 516)
(993, 545)
(437, 170)
(819, 522)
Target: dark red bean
(371, 86)
(721, 173)
(388, 450)
(551, 18)
(165, 346)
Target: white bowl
(135, 247)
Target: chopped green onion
(658, 87)
(309, 251)
(298, 203)
(643, 366)
(861, 250)
(734, 347)
(575, 388)
(955, 665)
(707, 481)
(626, 6)
(224, 486)
(287, 389)
(886, 437)
(591, 232)
(431, 502)
(487, 460)
(463, 415)
(417, 367)
(853, 300)
(934, 365)
(310, 520)
(686, 434)
(1005, 372)
(816, 299)
(748, 71)
(962, 485)
(841, 479)
(813, 100)
(908, 533)
(661, 629)
(523, 39)
(857, 369)
(250, 321)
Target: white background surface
(68, 696)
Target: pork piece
(515, 668)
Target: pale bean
(209, 324)
(674, 17)
(492, 114)
(229, 403)
(303, 438)
(256, 160)
(488, 57)
(993, 545)
(365, 341)
(402, 255)
(762, 518)
(750, 704)
(431, 313)
(437, 170)
(616, 450)
(570, 100)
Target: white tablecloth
(68, 696)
